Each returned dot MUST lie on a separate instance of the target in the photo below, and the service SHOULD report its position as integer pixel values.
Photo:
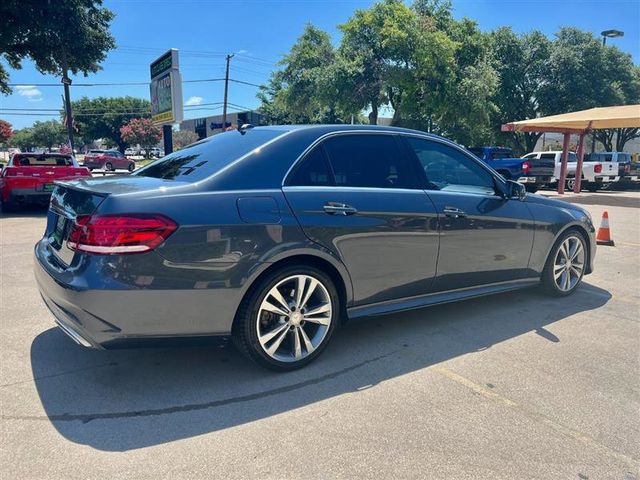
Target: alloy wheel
(294, 318)
(568, 264)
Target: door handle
(335, 208)
(454, 212)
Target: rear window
(203, 159)
(42, 160)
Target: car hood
(542, 200)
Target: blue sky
(261, 31)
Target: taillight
(627, 168)
(525, 167)
(597, 168)
(120, 234)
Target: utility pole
(66, 81)
(226, 90)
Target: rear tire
(565, 265)
(131, 167)
(531, 188)
(287, 337)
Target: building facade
(208, 126)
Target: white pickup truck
(595, 174)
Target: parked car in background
(132, 151)
(595, 175)
(276, 235)
(540, 167)
(628, 170)
(156, 152)
(29, 177)
(109, 160)
(502, 160)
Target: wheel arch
(583, 231)
(315, 258)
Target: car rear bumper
(29, 195)
(97, 309)
(537, 179)
(606, 178)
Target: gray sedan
(277, 235)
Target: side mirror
(515, 190)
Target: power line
(118, 84)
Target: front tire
(109, 167)
(288, 318)
(531, 188)
(131, 167)
(565, 265)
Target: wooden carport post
(580, 153)
(563, 165)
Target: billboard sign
(166, 89)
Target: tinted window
(42, 160)
(312, 171)
(547, 156)
(451, 170)
(202, 159)
(373, 161)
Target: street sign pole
(167, 135)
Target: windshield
(203, 159)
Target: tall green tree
(47, 134)
(23, 139)
(522, 65)
(585, 74)
(59, 36)
(304, 90)
(102, 117)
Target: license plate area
(48, 187)
(59, 231)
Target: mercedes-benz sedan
(276, 235)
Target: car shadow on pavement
(129, 399)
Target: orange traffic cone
(604, 235)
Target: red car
(108, 160)
(29, 177)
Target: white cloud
(193, 101)
(29, 91)
(242, 52)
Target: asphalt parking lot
(510, 386)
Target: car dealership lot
(510, 386)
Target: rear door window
(313, 171)
(369, 161)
